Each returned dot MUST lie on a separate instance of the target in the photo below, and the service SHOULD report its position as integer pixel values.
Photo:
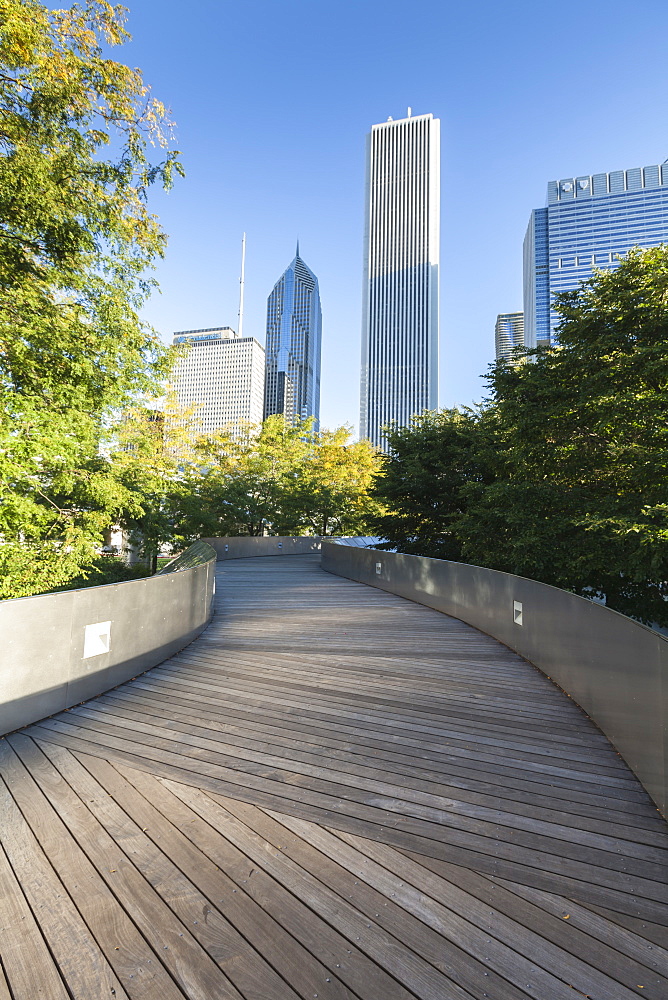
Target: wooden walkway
(333, 793)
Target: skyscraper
(223, 376)
(589, 221)
(294, 329)
(400, 306)
(508, 334)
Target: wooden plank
(357, 769)
(293, 938)
(539, 744)
(430, 648)
(619, 939)
(456, 728)
(137, 966)
(637, 922)
(135, 703)
(643, 823)
(360, 775)
(140, 697)
(371, 822)
(391, 697)
(433, 897)
(329, 687)
(26, 960)
(4, 985)
(238, 952)
(397, 610)
(384, 901)
(471, 763)
(193, 972)
(424, 814)
(437, 802)
(154, 855)
(343, 957)
(455, 711)
(182, 674)
(632, 914)
(84, 968)
(399, 971)
(225, 681)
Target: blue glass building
(294, 328)
(589, 221)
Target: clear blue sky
(273, 98)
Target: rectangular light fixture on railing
(97, 639)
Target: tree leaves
(563, 475)
(280, 479)
(76, 237)
(434, 467)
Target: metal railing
(60, 649)
(613, 667)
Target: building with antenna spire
(242, 280)
(219, 379)
(294, 329)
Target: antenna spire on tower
(297, 254)
(241, 285)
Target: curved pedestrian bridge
(333, 793)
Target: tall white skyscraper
(400, 320)
(223, 376)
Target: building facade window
(585, 226)
(293, 346)
(400, 329)
(222, 379)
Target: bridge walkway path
(332, 793)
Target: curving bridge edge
(61, 649)
(613, 667)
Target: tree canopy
(76, 238)
(577, 495)
(280, 479)
(81, 143)
(426, 479)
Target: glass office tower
(508, 334)
(294, 328)
(399, 374)
(589, 221)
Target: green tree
(584, 504)
(332, 493)
(429, 475)
(151, 459)
(239, 484)
(281, 479)
(563, 476)
(76, 237)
